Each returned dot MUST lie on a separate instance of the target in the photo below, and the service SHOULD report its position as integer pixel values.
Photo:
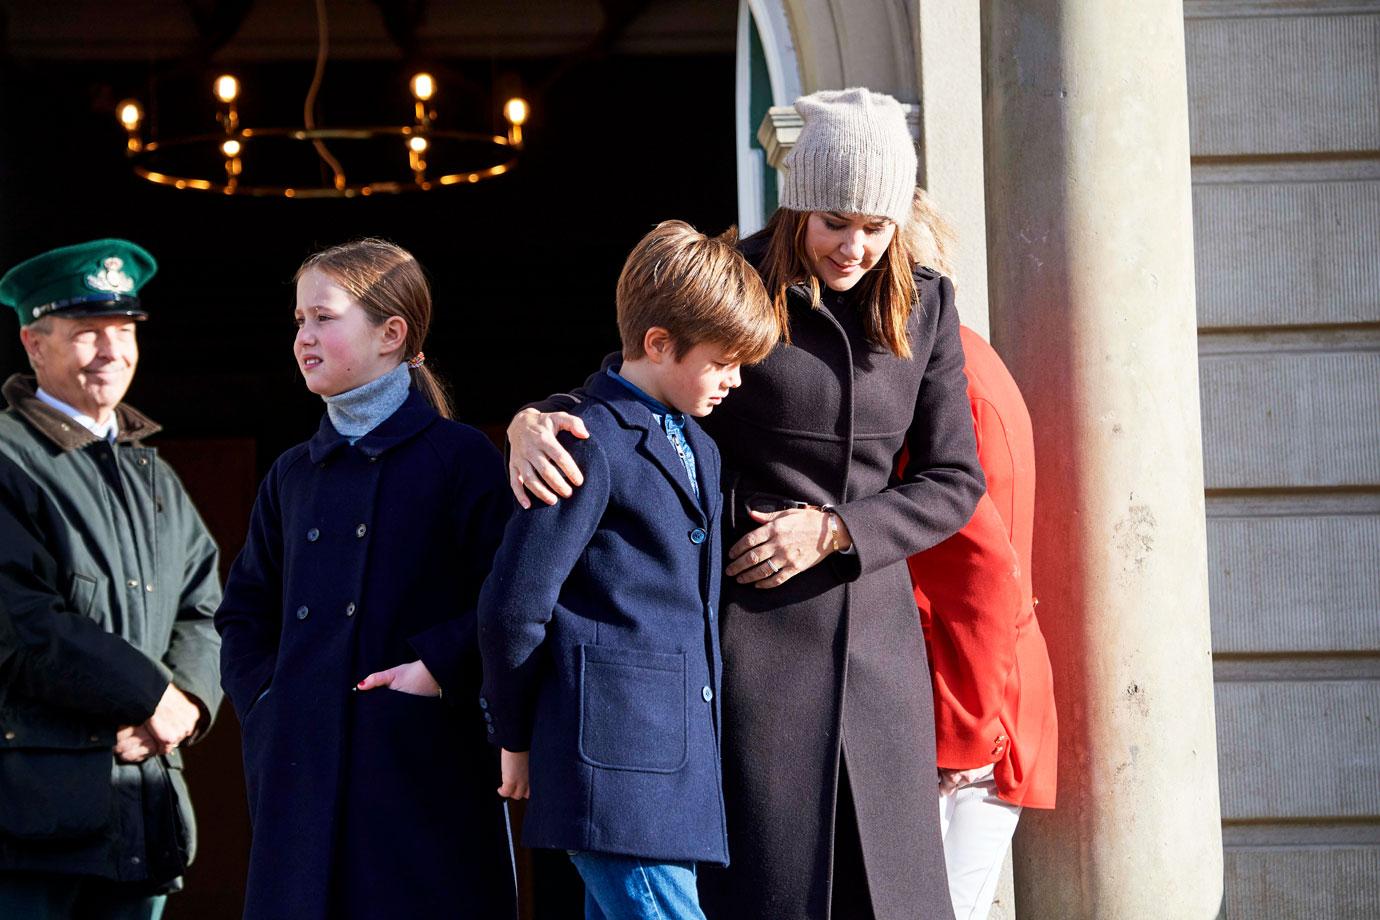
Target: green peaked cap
(99, 278)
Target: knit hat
(855, 156)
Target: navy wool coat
(359, 558)
(599, 633)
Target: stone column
(949, 71)
(1092, 298)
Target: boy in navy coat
(598, 625)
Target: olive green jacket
(108, 582)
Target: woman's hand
(788, 543)
(537, 462)
(413, 678)
(951, 781)
(514, 770)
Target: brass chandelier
(248, 154)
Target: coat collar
(411, 419)
(634, 413)
(21, 392)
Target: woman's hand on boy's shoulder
(537, 462)
(413, 677)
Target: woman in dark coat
(350, 649)
(829, 749)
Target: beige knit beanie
(854, 156)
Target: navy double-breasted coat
(361, 557)
(599, 634)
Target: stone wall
(1284, 101)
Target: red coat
(993, 689)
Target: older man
(108, 581)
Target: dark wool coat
(829, 669)
(108, 580)
(359, 558)
(600, 642)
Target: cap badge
(111, 277)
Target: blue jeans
(61, 897)
(628, 888)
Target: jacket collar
(634, 413)
(21, 392)
(411, 419)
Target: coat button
(94, 738)
(148, 588)
(361, 530)
(313, 535)
(707, 693)
(488, 717)
(491, 729)
(302, 612)
(697, 535)
(350, 609)
(9, 736)
(483, 703)
(143, 461)
(133, 583)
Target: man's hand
(514, 770)
(413, 678)
(135, 744)
(174, 721)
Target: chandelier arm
(309, 107)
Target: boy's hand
(412, 677)
(536, 460)
(514, 770)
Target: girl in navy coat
(348, 624)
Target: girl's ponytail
(435, 391)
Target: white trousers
(977, 828)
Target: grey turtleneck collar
(357, 412)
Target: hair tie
(417, 360)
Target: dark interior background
(623, 134)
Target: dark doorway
(523, 267)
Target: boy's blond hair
(698, 288)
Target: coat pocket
(56, 782)
(82, 592)
(634, 709)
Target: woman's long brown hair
(886, 295)
(387, 281)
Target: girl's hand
(536, 460)
(790, 542)
(413, 678)
(514, 770)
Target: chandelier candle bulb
(227, 88)
(516, 110)
(418, 143)
(131, 115)
(423, 87)
(231, 148)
